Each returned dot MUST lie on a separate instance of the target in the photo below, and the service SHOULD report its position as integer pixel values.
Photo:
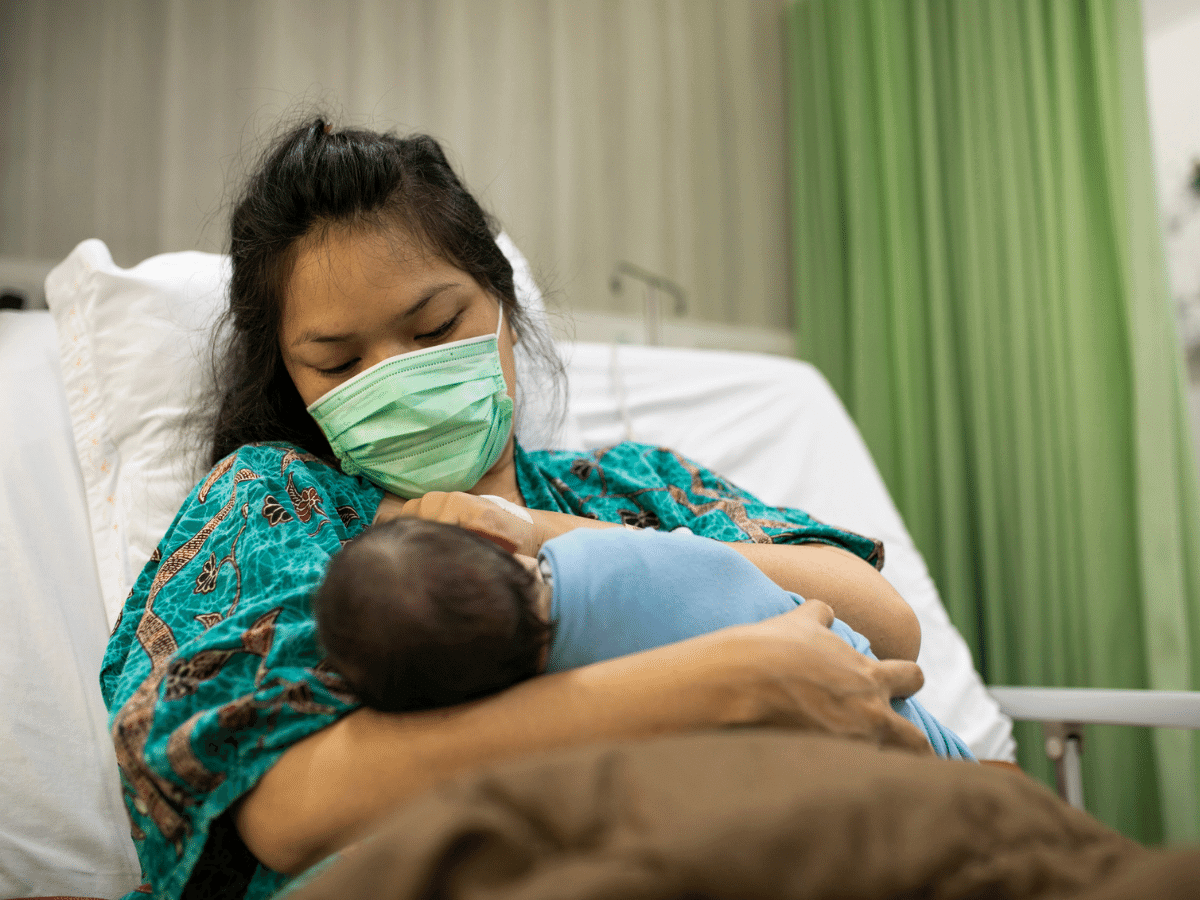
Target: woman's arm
(791, 670)
(858, 594)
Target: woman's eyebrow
(313, 336)
(425, 298)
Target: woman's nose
(386, 348)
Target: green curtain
(978, 269)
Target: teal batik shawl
(213, 669)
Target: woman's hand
(789, 671)
(486, 519)
(804, 675)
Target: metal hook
(654, 283)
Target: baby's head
(419, 615)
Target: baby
(420, 615)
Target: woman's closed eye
(339, 370)
(442, 330)
(427, 337)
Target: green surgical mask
(432, 420)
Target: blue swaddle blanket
(617, 591)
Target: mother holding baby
(370, 374)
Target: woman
(373, 321)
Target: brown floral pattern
(639, 518)
(154, 796)
(208, 620)
(582, 468)
(201, 625)
(206, 581)
(273, 511)
(304, 502)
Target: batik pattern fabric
(213, 670)
(655, 487)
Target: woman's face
(357, 298)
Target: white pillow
(134, 347)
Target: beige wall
(1172, 73)
(598, 130)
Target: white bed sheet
(63, 827)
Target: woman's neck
(501, 479)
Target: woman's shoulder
(261, 524)
(282, 481)
(279, 465)
(632, 464)
(651, 486)
(271, 459)
(627, 453)
(637, 484)
(267, 486)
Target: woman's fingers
(806, 676)
(390, 507)
(895, 679)
(897, 731)
(902, 678)
(817, 610)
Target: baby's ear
(543, 601)
(529, 563)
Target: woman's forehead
(342, 258)
(353, 269)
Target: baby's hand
(477, 515)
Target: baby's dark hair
(419, 615)
(312, 179)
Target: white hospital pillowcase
(134, 346)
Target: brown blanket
(745, 815)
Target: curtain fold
(978, 268)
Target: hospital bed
(97, 454)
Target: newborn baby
(420, 615)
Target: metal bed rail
(1064, 711)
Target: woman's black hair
(417, 614)
(312, 179)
